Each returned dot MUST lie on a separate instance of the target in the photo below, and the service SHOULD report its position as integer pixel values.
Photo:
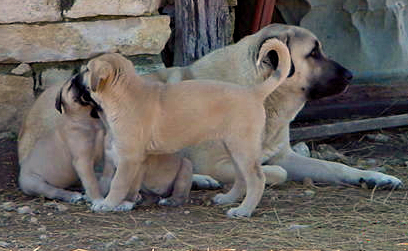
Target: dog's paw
(205, 182)
(169, 202)
(76, 197)
(222, 199)
(238, 212)
(124, 206)
(381, 181)
(102, 206)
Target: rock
(309, 193)
(16, 96)
(4, 244)
(91, 8)
(169, 236)
(358, 34)
(21, 69)
(302, 149)
(29, 11)
(59, 207)
(111, 244)
(146, 64)
(381, 138)
(371, 162)
(42, 229)
(24, 210)
(82, 40)
(53, 76)
(133, 240)
(33, 220)
(327, 152)
(186, 212)
(8, 206)
(43, 237)
(148, 222)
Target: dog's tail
(282, 70)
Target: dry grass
(288, 218)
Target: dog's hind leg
(35, 185)
(238, 188)
(247, 162)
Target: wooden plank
(318, 131)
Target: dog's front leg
(84, 167)
(126, 173)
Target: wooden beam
(319, 131)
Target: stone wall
(368, 36)
(42, 41)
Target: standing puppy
(154, 118)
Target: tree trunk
(201, 26)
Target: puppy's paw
(205, 182)
(100, 206)
(170, 202)
(124, 206)
(103, 206)
(222, 199)
(76, 197)
(238, 212)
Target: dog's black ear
(58, 101)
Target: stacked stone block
(41, 41)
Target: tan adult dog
(58, 148)
(148, 117)
(313, 76)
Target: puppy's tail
(282, 70)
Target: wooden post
(263, 14)
(201, 26)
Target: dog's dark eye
(314, 53)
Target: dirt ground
(291, 217)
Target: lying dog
(313, 76)
(152, 118)
(55, 149)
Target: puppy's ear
(100, 72)
(58, 102)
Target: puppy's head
(312, 74)
(74, 99)
(106, 70)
